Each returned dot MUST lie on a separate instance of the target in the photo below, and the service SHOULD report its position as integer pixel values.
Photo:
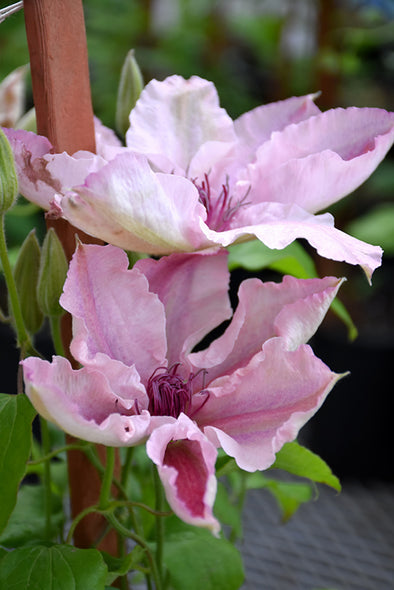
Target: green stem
(55, 452)
(78, 519)
(159, 521)
(105, 492)
(45, 439)
(56, 335)
(126, 533)
(22, 335)
(127, 465)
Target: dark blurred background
(257, 51)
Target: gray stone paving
(338, 542)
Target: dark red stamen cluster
(219, 212)
(169, 394)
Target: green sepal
(130, 86)
(26, 278)
(52, 274)
(8, 177)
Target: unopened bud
(130, 87)
(8, 178)
(53, 271)
(26, 277)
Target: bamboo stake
(56, 39)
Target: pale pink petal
(292, 309)
(130, 206)
(174, 118)
(278, 225)
(194, 291)
(42, 174)
(82, 403)
(256, 126)
(186, 464)
(254, 411)
(320, 160)
(113, 311)
(107, 142)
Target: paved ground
(338, 542)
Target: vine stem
(55, 323)
(105, 492)
(22, 335)
(126, 533)
(46, 443)
(159, 521)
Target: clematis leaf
(376, 227)
(288, 495)
(53, 568)
(300, 461)
(292, 260)
(218, 567)
(27, 522)
(16, 415)
(227, 511)
(119, 566)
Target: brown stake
(56, 39)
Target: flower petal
(42, 174)
(113, 311)
(83, 404)
(254, 411)
(185, 461)
(292, 309)
(130, 206)
(194, 291)
(278, 225)
(320, 160)
(174, 118)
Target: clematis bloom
(191, 178)
(135, 333)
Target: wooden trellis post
(56, 38)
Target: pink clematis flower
(192, 178)
(134, 333)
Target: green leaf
(376, 227)
(254, 256)
(300, 461)
(196, 559)
(16, 416)
(342, 313)
(60, 567)
(120, 566)
(27, 522)
(226, 511)
(289, 495)
(292, 260)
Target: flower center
(220, 211)
(168, 393)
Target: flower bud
(8, 178)
(130, 86)
(53, 272)
(26, 277)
